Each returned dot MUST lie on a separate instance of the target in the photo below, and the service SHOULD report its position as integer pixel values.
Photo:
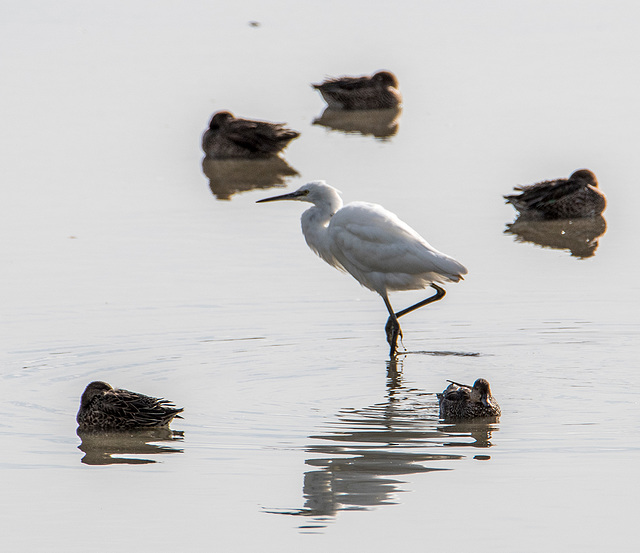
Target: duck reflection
(360, 459)
(111, 448)
(230, 176)
(478, 430)
(578, 236)
(379, 123)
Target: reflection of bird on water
(479, 430)
(378, 91)
(460, 401)
(230, 176)
(103, 407)
(231, 137)
(579, 236)
(359, 458)
(100, 447)
(375, 247)
(577, 196)
(380, 123)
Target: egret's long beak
(293, 196)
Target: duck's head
(219, 119)
(385, 78)
(481, 391)
(585, 176)
(92, 390)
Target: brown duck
(379, 91)
(460, 401)
(232, 137)
(103, 407)
(575, 197)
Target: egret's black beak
(292, 196)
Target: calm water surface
(128, 259)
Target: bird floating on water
(577, 196)
(375, 247)
(460, 401)
(378, 91)
(232, 137)
(105, 408)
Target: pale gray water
(121, 265)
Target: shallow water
(125, 262)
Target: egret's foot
(392, 328)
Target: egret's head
(584, 176)
(316, 192)
(92, 390)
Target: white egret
(375, 247)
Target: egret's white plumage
(374, 246)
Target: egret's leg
(437, 296)
(392, 328)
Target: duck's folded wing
(345, 83)
(456, 394)
(552, 194)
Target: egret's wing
(372, 239)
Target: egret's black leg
(437, 296)
(392, 328)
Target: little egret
(375, 247)
(575, 197)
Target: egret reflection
(379, 123)
(128, 448)
(359, 462)
(231, 176)
(578, 236)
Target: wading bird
(104, 408)
(375, 247)
(577, 196)
(460, 401)
(379, 91)
(232, 137)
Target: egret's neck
(314, 226)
